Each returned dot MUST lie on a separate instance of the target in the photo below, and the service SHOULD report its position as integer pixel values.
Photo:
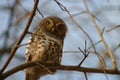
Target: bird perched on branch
(45, 45)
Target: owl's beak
(53, 29)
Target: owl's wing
(34, 51)
(28, 56)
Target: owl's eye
(49, 24)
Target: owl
(45, 45)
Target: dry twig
(102, 38)
(21, 37)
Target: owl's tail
(31, 77)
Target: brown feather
(45, 45)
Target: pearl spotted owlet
(45, 45)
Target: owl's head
(55, 26)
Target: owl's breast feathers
(45, 45)
(45, 48)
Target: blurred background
(14, 16)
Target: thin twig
(7, 32)
(99, 40)
(40, 13)
(98, 55)
(23, 44)
(21, 37)
(94, 44)
(101, 37)
(85, 53)
(113, 28)
(19, 19)
(50, 72)
(65, 9)
(85, 75)
(118, 46)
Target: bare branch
(113, 28)
(61, 67)
(85, 53)
(21, 37)
(98, 55)
(102, 38)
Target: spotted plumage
(45, 45)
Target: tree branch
(61, 67)
(21, 37)
(101, 36)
